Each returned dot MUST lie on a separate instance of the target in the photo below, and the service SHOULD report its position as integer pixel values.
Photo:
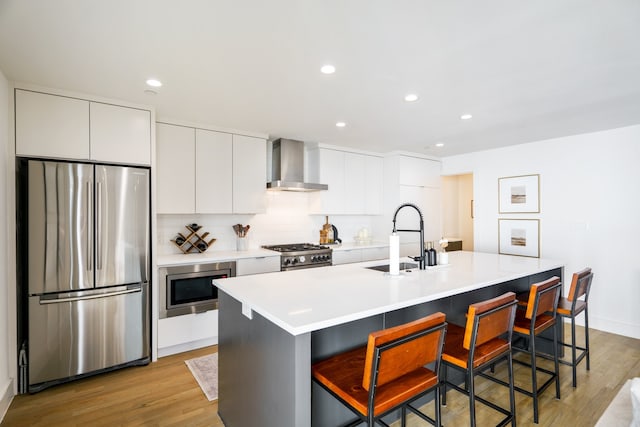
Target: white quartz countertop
(348, 246)
(212, 256)
(303, 301)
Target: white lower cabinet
(347, 256)
(371, 254)
(188, 332)
(268, 264)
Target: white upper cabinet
(373, 176)
(70, 128)
(120, 134)
(175, 162)
(354, 180)
(208, 172)
(249, 174)
(354, 183)
(51, 126)
(214, 172)
(420, 172)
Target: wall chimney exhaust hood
(287, 172)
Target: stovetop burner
(301, 255)
(294, 247)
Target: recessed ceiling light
(328, 69)
(154, 83)
(466, 116)
(440, 144)
(412, 97)
(341, 124)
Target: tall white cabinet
(63, 127)
(209, 172)
(413, 179)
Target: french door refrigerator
(83, 270)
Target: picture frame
(519, 237)
(519, 194)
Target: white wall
(286, 220)
(589, 210)
(6, 385)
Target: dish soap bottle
(431, 255)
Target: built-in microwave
(190, 289)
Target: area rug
(205, 371)
(619, 412)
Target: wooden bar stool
(539, 315)
(389, 372)
(485, 340)
(572, 306)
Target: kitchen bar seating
(538, 316)
(485, 340)
(389, 372)
(572, 306)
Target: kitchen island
(274, 326)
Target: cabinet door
(346, 256)
(51, 126)
(332, 174)
(428, 200)
(175, 164)
(419, 172)
(120, 134)
(354, 183)
(373, 173)
(213, 172)
(370, 254)
(249, 174)
(267, 264)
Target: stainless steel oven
(189, 289)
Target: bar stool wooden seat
(485, 340)
(538, 316)
(389, 372)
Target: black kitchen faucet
(421, 258)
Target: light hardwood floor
(166, 394)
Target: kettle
(335, 234)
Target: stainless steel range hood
(287, 172)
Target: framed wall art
(519, 194)
(519, 237)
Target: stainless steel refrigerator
(83, 269)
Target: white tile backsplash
(286, 220)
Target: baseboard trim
(615, 327)
(5, 398)
(181, 348)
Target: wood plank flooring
(166, 394)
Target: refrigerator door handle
(88, 297)
(88, 227)
(99, 226)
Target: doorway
(457, 209)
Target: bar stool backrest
(489, 319)
(394, 352)
(580, 284)
(543, 298)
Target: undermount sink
(385, 267)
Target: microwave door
(59, 224)
(122, 225)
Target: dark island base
(265, 372)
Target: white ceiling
(525, 70)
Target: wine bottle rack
(193, 242)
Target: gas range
(297, 256)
